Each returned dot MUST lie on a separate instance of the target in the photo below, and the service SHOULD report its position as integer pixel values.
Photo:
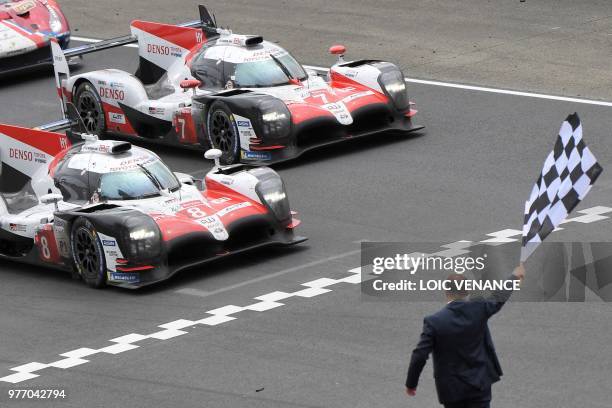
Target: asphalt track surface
(466, 175)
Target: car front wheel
(87, 253)
(223, 132)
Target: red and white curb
(264, 303)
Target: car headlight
(275, 118)
(143, 239)
(394, 85)
(271, 191)
(55, 22)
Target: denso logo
(110, 93)
(158, 49)
(21, 154)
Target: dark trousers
(468, 404)
(478, 399)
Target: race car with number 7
(201, 86)
(114, 214)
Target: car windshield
(267, 73)
(144, 182)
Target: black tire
(89, 106)
(223, 132)
(87, 253)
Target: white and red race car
(114, 214)
(198, 85)
(26, 30)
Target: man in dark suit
(464, 358)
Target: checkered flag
(568, 174)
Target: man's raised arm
(498, 298)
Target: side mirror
(213, 154)
(185, 178)
(190, 84)
(338, 50)
(51, 198)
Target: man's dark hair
(457, 290)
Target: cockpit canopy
(219, 65)
(87, 174)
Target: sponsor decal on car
(250, 155)
(124, 277)
(156, 111)
(232, 208)
(357, 95)
(340, 111)
(110, 93)
(23, 7)
(111, 251)
(164, 50)
(17, 227)
(62, 246)
(228, 181)
(27, 155)
(245, 131)
(351, 74)
(172, 204)
(117, 118)
(220, 200)
(214, 225)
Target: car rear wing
(114, 42)
(150, 37)
(206, 22)
(24, 152)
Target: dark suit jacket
(464, 358)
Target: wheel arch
(76, 85)
(242, 102)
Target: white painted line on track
(443, 84)
(201, 293)
(509, 92)
(263, 303)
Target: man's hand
(411, 391)
(519, 271)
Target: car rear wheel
(87, 253)
(89, 106)
(223, 132)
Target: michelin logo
(249, 155)
(109, 243)
(125, 277)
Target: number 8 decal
(44, 244)
(47, 246)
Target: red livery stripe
(184, 37)
(49, 142)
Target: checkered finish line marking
(176, 328)
(263, 303)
